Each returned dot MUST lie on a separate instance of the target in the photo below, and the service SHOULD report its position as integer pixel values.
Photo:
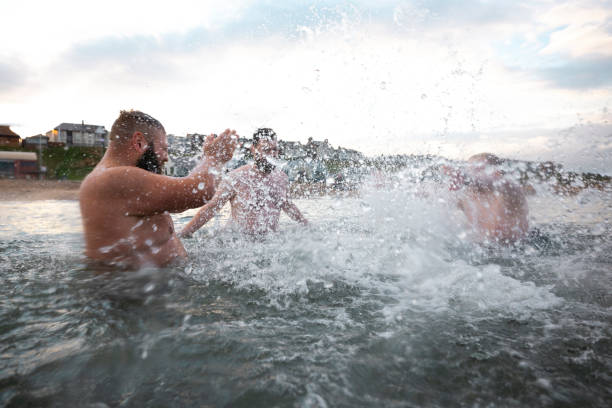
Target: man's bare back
(117, 234)
(499, 214)
(495, 207)
(125, 202)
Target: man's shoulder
(242, 169)
(104, 180)
(239, 172)
(281, 175)
(235, 176)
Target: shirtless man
(125, 201)
(257, 193)
(495, 207)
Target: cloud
(476, 12)
(544, 42)
(584, 73)
(128, 56)
(585, 32)
(584, 147)
(13, 75)
(154, 56)
(122, 48)
(380, 76)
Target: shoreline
(34, 190)
(37, 190)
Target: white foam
(389, 242)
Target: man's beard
(264, 165)
(149, 161)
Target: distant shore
(31, 190)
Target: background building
(79, 134)
(8, 137)
(36, 142)
(18, 164)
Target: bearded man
(126, 201)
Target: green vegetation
(13, 149)
(66, 163)
(73, 163)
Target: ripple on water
(381, 302)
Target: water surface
(383, 301)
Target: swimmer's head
(263, 134)
(133, 121)
(485, 162)
(265, 143)
(140, 137)
(486, 159)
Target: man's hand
(221, 148)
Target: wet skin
(127, 240)
(257, 199)
(496, 208)
(126, 210)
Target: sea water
(383, 300)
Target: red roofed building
(8, 137)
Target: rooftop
(6, 131)
(79, 127)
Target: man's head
(485, 162)
(141, 139)
(265, 143)
(486, 158)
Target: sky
(527, 80)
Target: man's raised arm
(293, 212)
(146, 193)
(206, 213)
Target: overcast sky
(525, 79)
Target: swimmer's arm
(293, 212)
(139, 192)
(206, 213)
(144, 193)
(528, 189)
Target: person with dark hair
(495, 207)
(125, 201)
(257, 193)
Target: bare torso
(114, 236)
(257, 199)
(498, 214)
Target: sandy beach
(29, 190)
